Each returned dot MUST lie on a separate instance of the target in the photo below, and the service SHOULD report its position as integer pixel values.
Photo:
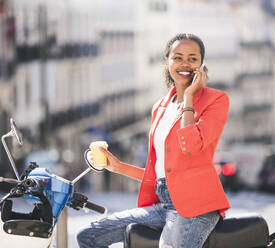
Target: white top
(161, 133)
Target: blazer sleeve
(194, 138)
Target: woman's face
(184, 58)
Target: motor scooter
(47, 193)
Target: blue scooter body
(56, 189)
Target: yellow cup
(99, 158)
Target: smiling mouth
(185, 73)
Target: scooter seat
(31, 228)
(245, 231)
(242, 231)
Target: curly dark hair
(182, 36)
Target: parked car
(267, 174)
(228, 174)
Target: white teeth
(184, 72)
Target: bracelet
(188, 109)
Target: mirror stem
(81, 175)
(9, 154)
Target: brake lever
(78, 201)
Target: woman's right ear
(205, 69)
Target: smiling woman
(179, 186)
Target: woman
(180, 189)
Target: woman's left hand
(198, 83)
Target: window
(158, 6)
(14, 98)
(27, 93)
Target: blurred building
(250, 129)
(7, 55)
(77, 65)
(255, 77)
(76, 72)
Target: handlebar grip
(95, 207)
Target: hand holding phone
(197, 83)
(195, 76)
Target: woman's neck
(180, 93)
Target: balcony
(256, 44)
(77, 113)
(253, 75)
(26, 53)
(262, 139)
(252, 108)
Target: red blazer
(192, 181)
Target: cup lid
(99, 143)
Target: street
(241, 202)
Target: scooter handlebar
(9, 180)
(79, 201)
(95, 207)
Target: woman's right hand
(113, 163)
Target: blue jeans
(178, 231)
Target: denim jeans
(178, 231)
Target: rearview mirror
(16, 132)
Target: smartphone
(195, 76)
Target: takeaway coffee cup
(99, 158)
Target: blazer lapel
(160, 113)
(161, 109)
